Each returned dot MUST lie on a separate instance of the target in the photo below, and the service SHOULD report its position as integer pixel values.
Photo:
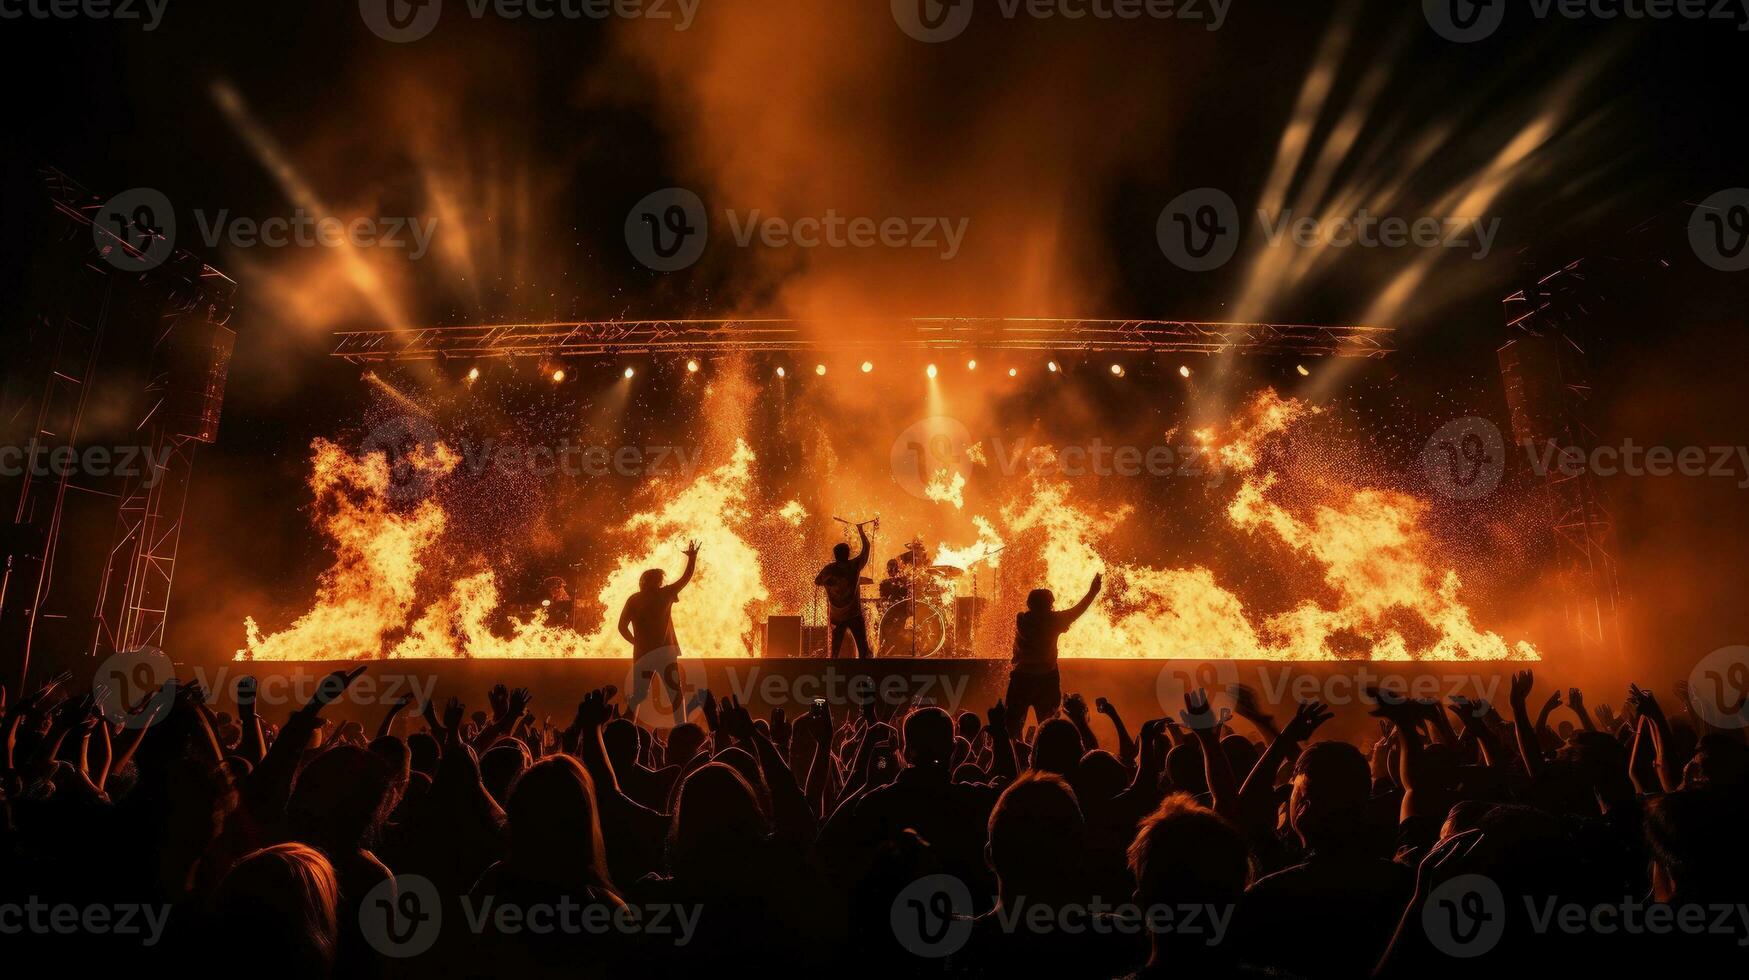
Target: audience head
(340, 799)
(1037, 837)
(279, 907)
(555, 827)
(928, 738)
(1057, 746)
(1332, 786)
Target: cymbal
(946, 571)
(865, 580)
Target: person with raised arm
(1033, 681)
(842, 580)
(647, 623)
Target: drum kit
(913, 608)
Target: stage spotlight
(1013, 372)
(473, 374)
(1302, 369)
(820, 369)
(1117, 370)
(867, 366)
(558, 375)
(1184, 371)
(692, 366)
(629, 372)
(930, 370)
(1051, 366)
(971, 365)
(781, 373)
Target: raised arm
(1126, 746)
(861, 558)
(1080, 608)
(691, 564)
(1530, 751)
(1260, 783)
(1206, 725)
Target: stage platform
(1139, 688)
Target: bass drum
(899, 622)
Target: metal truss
(1546, 370)
(774, 335)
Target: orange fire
(1382, 599)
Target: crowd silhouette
(874, 840)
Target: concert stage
(1139, 688)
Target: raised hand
(691, 549)
(1400, 711)
(1197, 714)
(499, 700)
(1308, 717)
(1519, 692)
(520, 700)
(331, 688)
(737, 721)
(1075, 707)
(246, 694)
(997, 718)
(1104, 707)
(1645, 702)
(1575, 699)
(452, 714)
(1471, 713)
(592, 711)
(709, 703)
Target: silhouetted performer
(1033, 681)
(647, 623)
(842, 580)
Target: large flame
(378, 550)
(1368, 543)
(1381, 598)
(368, 597)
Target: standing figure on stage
(647, 623)
(1033, 681)
(842, 580)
